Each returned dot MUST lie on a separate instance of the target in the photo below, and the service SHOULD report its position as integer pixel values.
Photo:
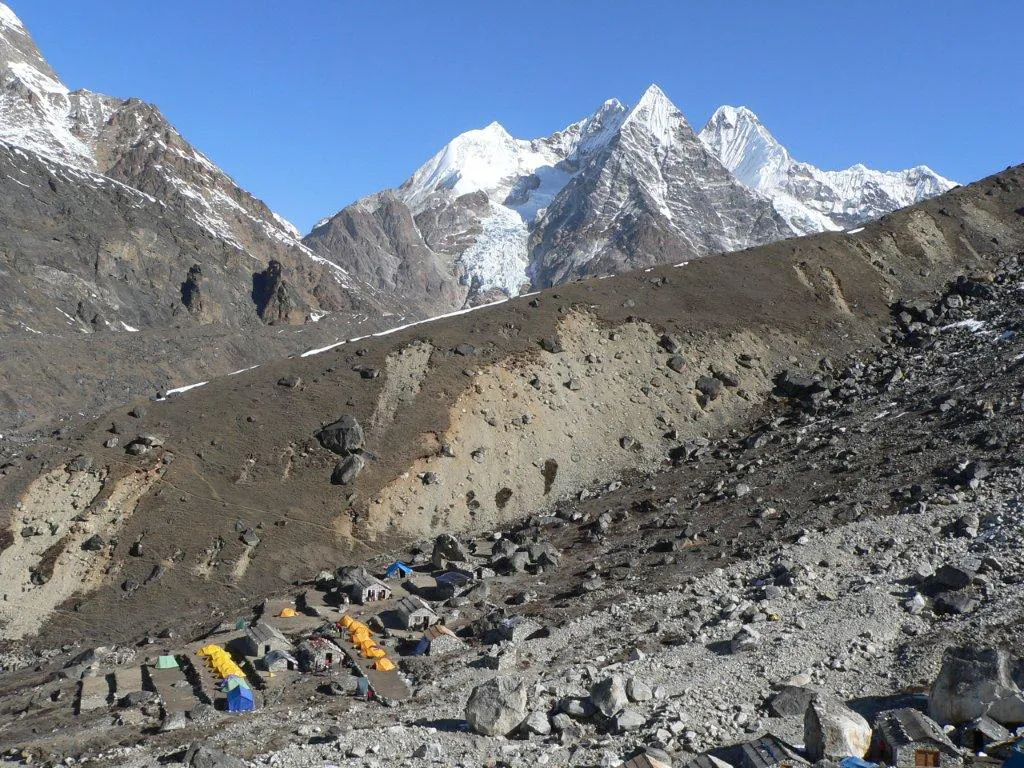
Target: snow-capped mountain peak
(477, 160)
(9, 20)
(741, 142)
(656, 114)
(810, 199)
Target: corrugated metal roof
(261, 633)
(436, 630)
(409, 605)
(645, 761)
(769, 751)
(909, 726)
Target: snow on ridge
(658, 115)
(39, 114)
(10, 20)
(486, 159)
(808, 198)
(179, 390)
(396, 329)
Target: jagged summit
(658, 115)
(9, 18)
(624, 186)
(810, 199)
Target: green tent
(166, 662)
(234, 681)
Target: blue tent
(453, 578)
(241, 699)
(397, 568)
(1016, 758)
(421, 647)
(856, 762)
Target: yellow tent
(288, 613)
(221, 662)
(361, 636)
(384, 665)
(345, 622)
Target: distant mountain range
(112, 221)
(810, 199)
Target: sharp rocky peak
(657, 114)
(810, 199)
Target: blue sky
(314, 103)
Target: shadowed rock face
(272, 297)
(978, 681)
(113, 223)
(378, 240)
(104, 200)
(191, 291)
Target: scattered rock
(343, 437)
(746, 639)
(976, 681)
(710, 387)
(347, 470)
(537, 724)
(833, 731)
(609, 695)
(199, 756)
(551, 344)
(80, 464)
(94, 543)
(497, 707)
(676, 363)
(629, 720)
(447, 549)
(790, 701)
(670, 344)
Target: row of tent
(239, 695)
(362, 638)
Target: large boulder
(799, 384)
(343, 437)
(447, 549)
(347, 470)
(976, 681)
(791, 701)
(199, 756)
(609, 695)
(833, 731)
(497, 707)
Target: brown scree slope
(523, 426)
